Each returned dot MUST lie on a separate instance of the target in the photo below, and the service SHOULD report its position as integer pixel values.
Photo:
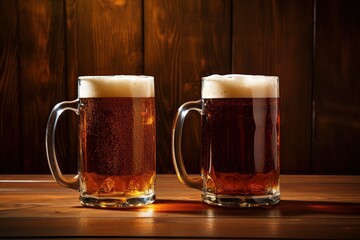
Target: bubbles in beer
(117, 145)
(240, 145)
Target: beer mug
(117, 145)
(240, 143)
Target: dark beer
(240, 145)
(240, 140)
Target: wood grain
(46, 44)
(102, 38)
(41, 66)
(275, 38)
(184, 41)
(10, 124)
(337, 88)
(312, 207)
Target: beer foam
(240, 86)
(116, 86)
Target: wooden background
(312, 45)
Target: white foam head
(116, 86)
(240, 86)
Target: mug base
(118, 202)
(240, 201)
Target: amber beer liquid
(117, 141)
(240, 140)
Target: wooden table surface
(311, 207)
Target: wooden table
(312, 207)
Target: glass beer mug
(240, 147)
(117, 145)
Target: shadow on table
(284, 208)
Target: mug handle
(50, 143)
(176, 144)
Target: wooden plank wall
(337, 88)
(312, 45)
